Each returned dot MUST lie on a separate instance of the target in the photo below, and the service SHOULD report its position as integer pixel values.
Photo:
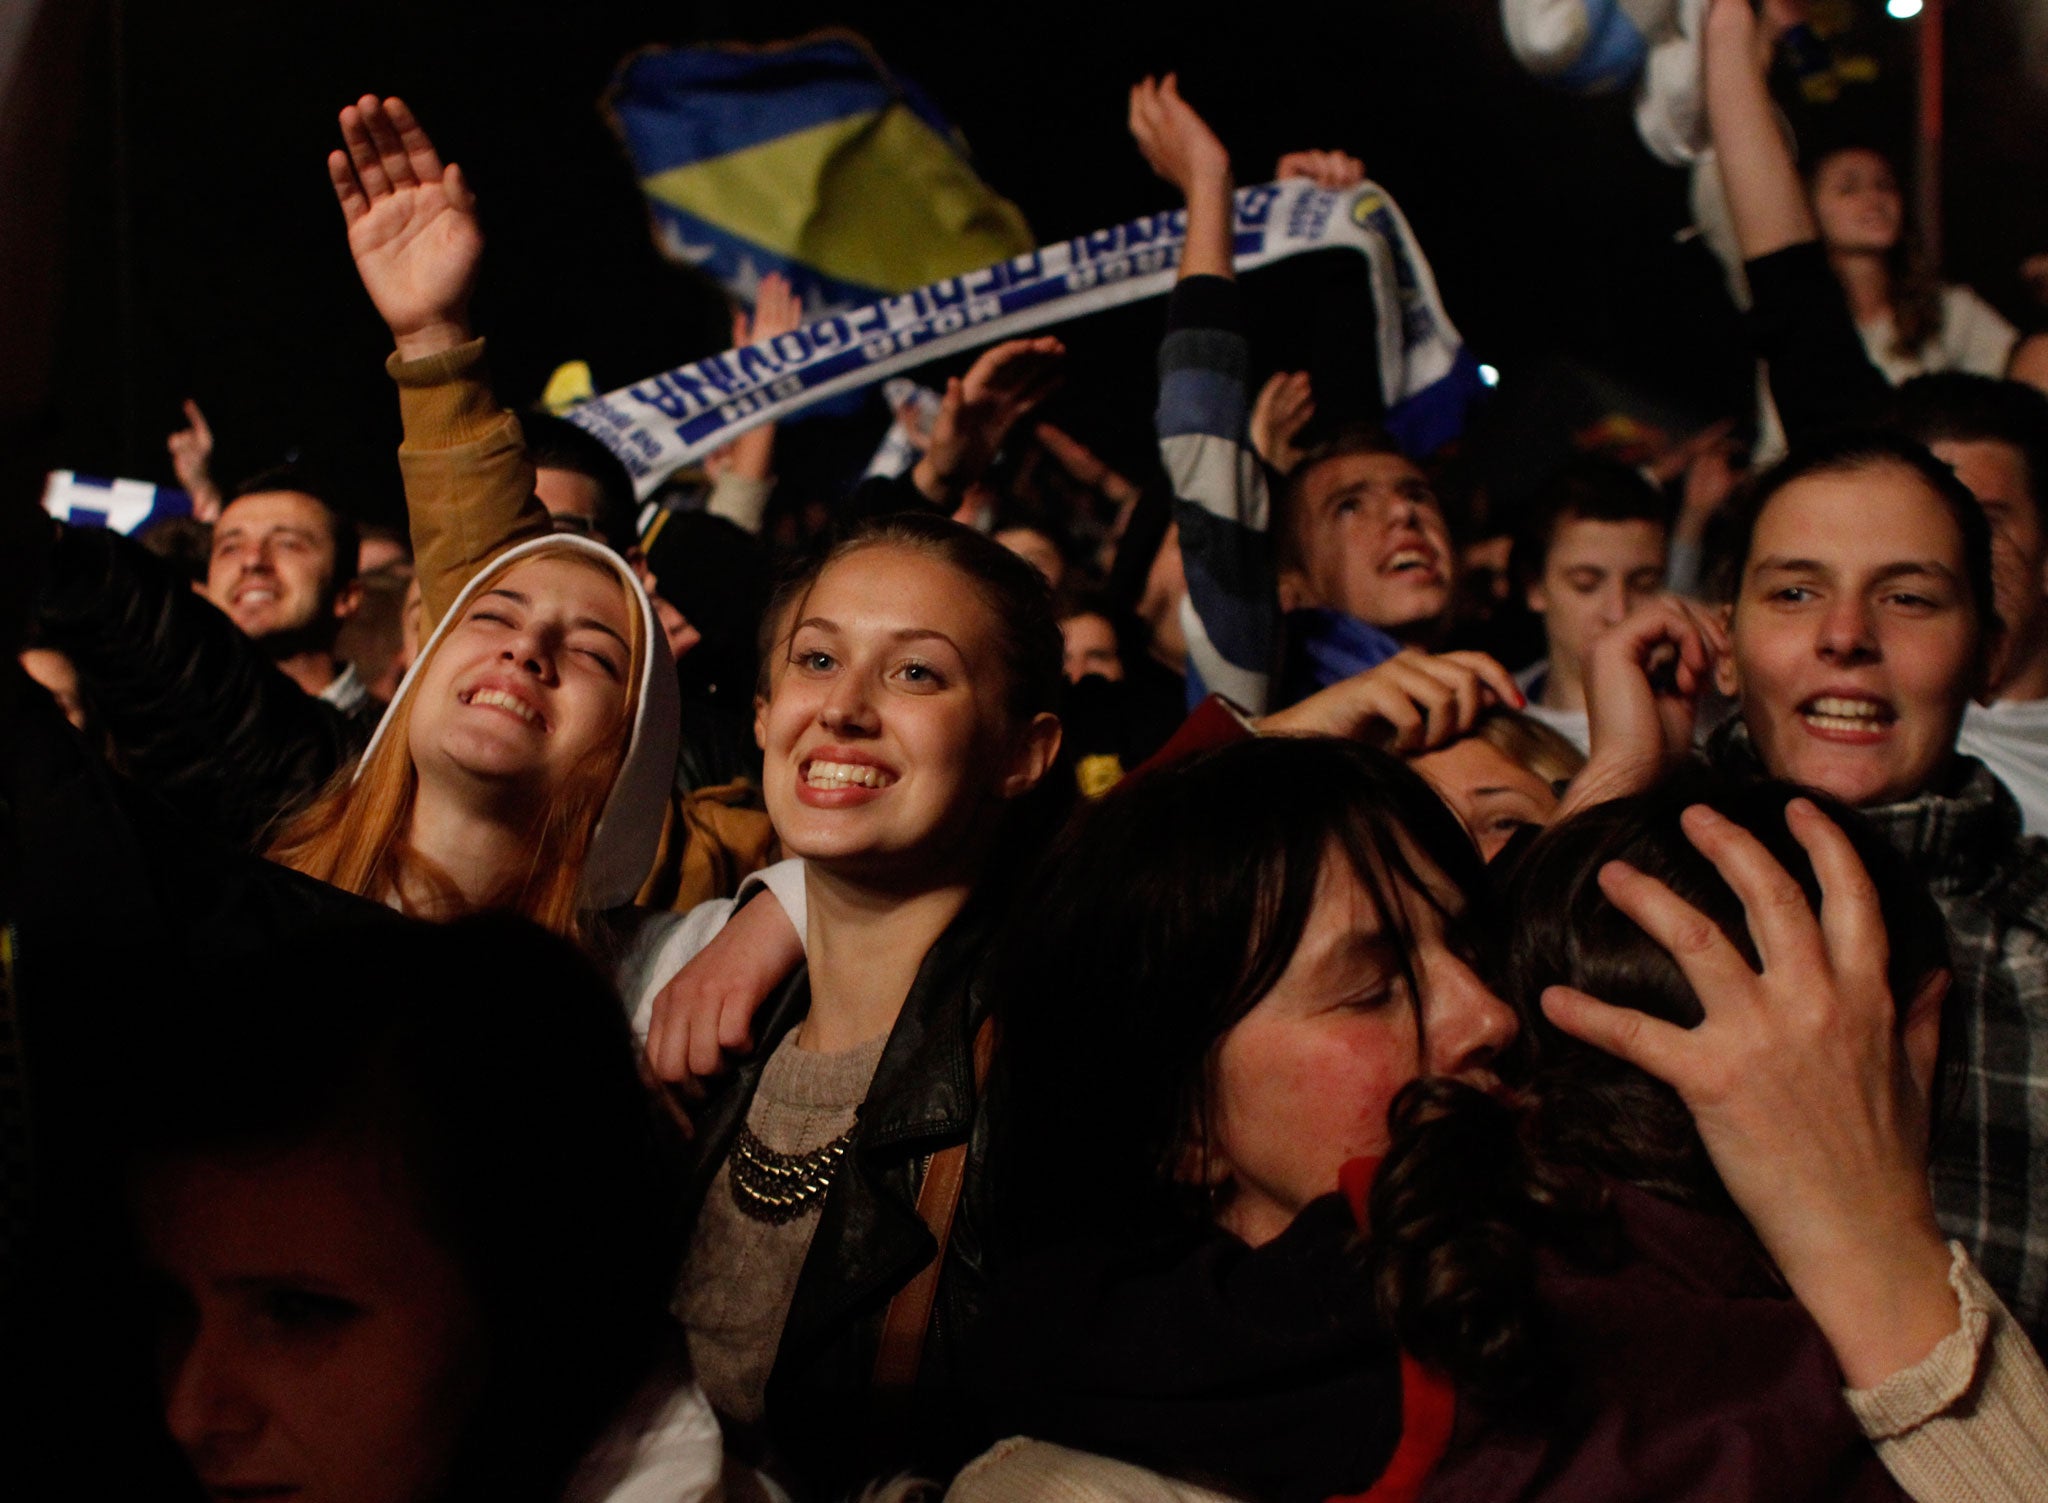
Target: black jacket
(870, 1241)
(195, 711)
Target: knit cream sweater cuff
(1969, 1422)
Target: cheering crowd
(1033, 983)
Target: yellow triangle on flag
(571, 383)
(877, 199)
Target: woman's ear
(1996, 659)
(1726, 679)
(761, 721)
(1035, 751)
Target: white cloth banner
(658, 425)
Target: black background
(205, 255)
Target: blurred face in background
(273, 566)
(1091, 647)
(1594, 574)
(1856, 202)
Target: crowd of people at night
(1022, 981)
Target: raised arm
(1799, 319)
(743, 472)
(1231, 613)
(413, 231)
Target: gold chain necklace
(779, 1187)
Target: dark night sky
(206, 255)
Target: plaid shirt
(1989, 1160)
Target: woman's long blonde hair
(353, 834)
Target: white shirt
(2011, 738)
(346, 690)
(1573, 725)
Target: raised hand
(1085, 465)
(412, 225)
(1175, 141)
(1326, 169)
(191, 449)
(777, 311)
(1285, 406)
(1413, 702)
(980, 408)
(1643, 682)
(1809, 1098)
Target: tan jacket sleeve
(1969, 1422)
(468, 484)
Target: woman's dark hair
(1596, 1111)
(496, 1070)
(1847, 453)
(555, 443)
(1016, 594)
(1449, 1259)
(1162, 916)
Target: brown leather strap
(909, 1316)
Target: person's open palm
(412, 224)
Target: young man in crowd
(283, 569)
(1595, 547)
(233, 716)
(1995, 435)
(1358, 562)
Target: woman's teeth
(847, 775)
(503, 701)
(1830, 713)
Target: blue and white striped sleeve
(1232, 610)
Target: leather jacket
(870, 1241)
(195, 711)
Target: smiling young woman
(524, 763)
(906, 728)
(1861, 622)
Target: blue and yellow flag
(808, 158)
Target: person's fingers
(1488, 670)
(414, 141)
(455, 188)
(742, 328)
(362, 151)
(348, 191)
(1650, 1044)
(705, 1057)
(1402, 716)
(390, 149)
(1851, 921)
(1781, 924)
(736, 1025)
(198, 421)
(1720, 977)
(1452, 696)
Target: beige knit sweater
(741, 1273)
